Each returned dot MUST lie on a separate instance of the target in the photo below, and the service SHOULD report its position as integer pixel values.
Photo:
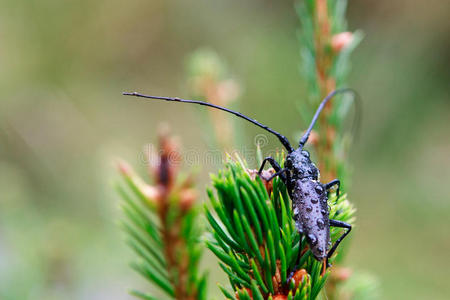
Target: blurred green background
(64, 64)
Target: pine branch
(326, 46)
(253, 235)
(160, 227)
(210, 79)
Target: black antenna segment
(305, 137)
(281, 137)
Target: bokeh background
(64, 64)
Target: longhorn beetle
(301, 177)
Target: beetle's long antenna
(282, 138)
(305, 137)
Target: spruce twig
(326, 46)
(253, 234)
(209, 79)
(159, 223)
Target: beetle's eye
(288, 163)
(305, 153)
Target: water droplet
(306, 194)
(305, 153)
(296, 211)
(309, 208)
(314, 200)
(320, 224)
(319, 189)
(299, 227)
(312, 239)
(324, 211)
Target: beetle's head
(299, 163)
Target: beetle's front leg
(340, 224)
(282, 173)
(332, 183)
(278, 171)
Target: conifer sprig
(161, 226)
(326, 45)
(253, 234)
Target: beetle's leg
(340, 224)
(272, 162)
(332, 183)
(279, 173)
(274, 165)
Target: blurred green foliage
(163, 227)
(63, 65)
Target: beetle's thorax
(300, 165)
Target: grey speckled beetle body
(301, 177)
(310, 203)
(311, 215)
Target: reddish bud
(265, 174)
(165, 169)
(341, 40)
(227, 91)
(341, 274)
(187, 199)
(150, 192)
(124, 168)
(299, 276)
(313, 138)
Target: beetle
(301, 177)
